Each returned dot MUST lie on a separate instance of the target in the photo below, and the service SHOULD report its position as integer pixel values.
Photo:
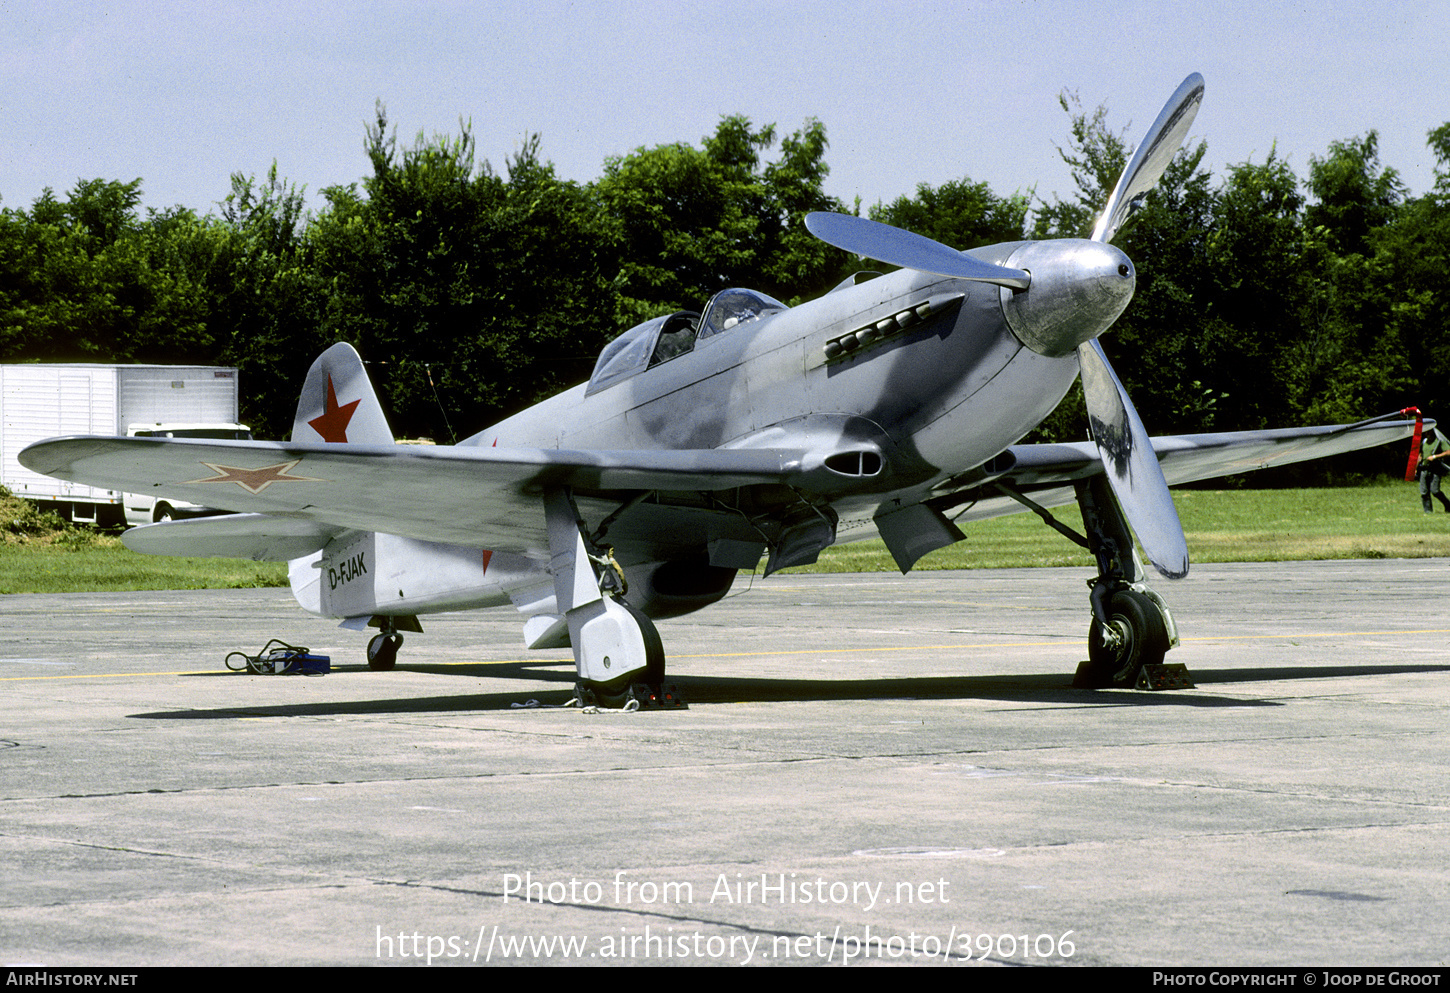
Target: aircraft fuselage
(888, 388)
(938, 396)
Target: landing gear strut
(1131, 626)
(618, 654)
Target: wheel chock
(1167, 676)
(638, 696)
(666, 696)
(1164, 676)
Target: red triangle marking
(332, 425)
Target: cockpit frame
(661, 339)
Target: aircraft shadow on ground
(1045, 688)
(1270, 673)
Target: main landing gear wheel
(383, 651)
(1137, 638)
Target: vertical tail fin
(338, 403)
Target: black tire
(162, 513)
(383, 651)
(1144, 640)
(654, 648)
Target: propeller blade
(1159, 146)
(862, 236)
(1132, 467)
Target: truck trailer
(46, 400)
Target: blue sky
(184, 94)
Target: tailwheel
(1134, 636)
(383, 651)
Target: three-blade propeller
(1128, 457)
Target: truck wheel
(162, 513)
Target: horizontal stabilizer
(258, 537)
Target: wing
(1046, 472)
(482, 497)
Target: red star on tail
(332, 425)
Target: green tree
(798, 265)
(693, 221)
(1409, 325)
(87, 279)
(471, 295)
(1353, 194)
(1254, 266)
(960, 213)
(264, 293)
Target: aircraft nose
(1078, 289)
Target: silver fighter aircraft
(704, 442)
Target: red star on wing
(255, 480)
(332, 425)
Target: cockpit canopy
(663, 338)
(729, 308)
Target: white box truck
(40, 401)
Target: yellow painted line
(108, 675)
(1325, 634)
